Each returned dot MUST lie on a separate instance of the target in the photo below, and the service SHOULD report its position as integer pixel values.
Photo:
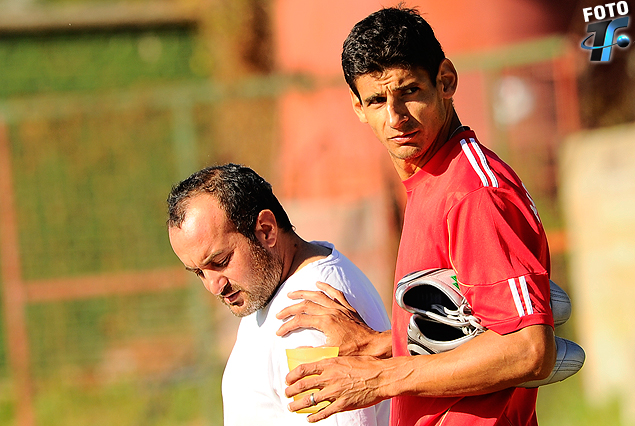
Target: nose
(214, 282)
(397, 113)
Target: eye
(376, 100)
(223, 262)
(411, 90)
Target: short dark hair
(391, 37)
(239, 190)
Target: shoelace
(460, 318)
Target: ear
(357, 107)
(447, 79)
(266, 230)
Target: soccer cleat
(424, 292)
(427, 337)
(443, 320)
(434, 294)
(569, 360)
(560, 304)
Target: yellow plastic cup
(299, 356)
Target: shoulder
(342, 274)
(477, 166)
(462, 166)
(476, 170)
(335, 269)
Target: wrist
(395, 377)
(379, 345)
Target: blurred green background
(93, 158)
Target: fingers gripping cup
(299, 356)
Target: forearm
(437, 376)
(486, 364)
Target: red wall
(326, 154)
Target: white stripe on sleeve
(516, 296)
(525, 291)
(484, 163)
(472, 160)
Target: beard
(267, 276)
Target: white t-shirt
(253, 382)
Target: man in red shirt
(466, 210)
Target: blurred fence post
(14, 296)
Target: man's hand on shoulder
(329, 311)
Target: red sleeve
(499, 251)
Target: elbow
(541, 357)
(542, 365)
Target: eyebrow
(402, 87)
(208, 260)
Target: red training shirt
(467, 210)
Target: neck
(450, 127)
(299, 254)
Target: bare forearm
(484, 365)
(436, 376)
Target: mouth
(232, 299)
(404, 138)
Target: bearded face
(266, 275)
(242, 273)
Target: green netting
(90, 183)
(91, 193)
(98, 60)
